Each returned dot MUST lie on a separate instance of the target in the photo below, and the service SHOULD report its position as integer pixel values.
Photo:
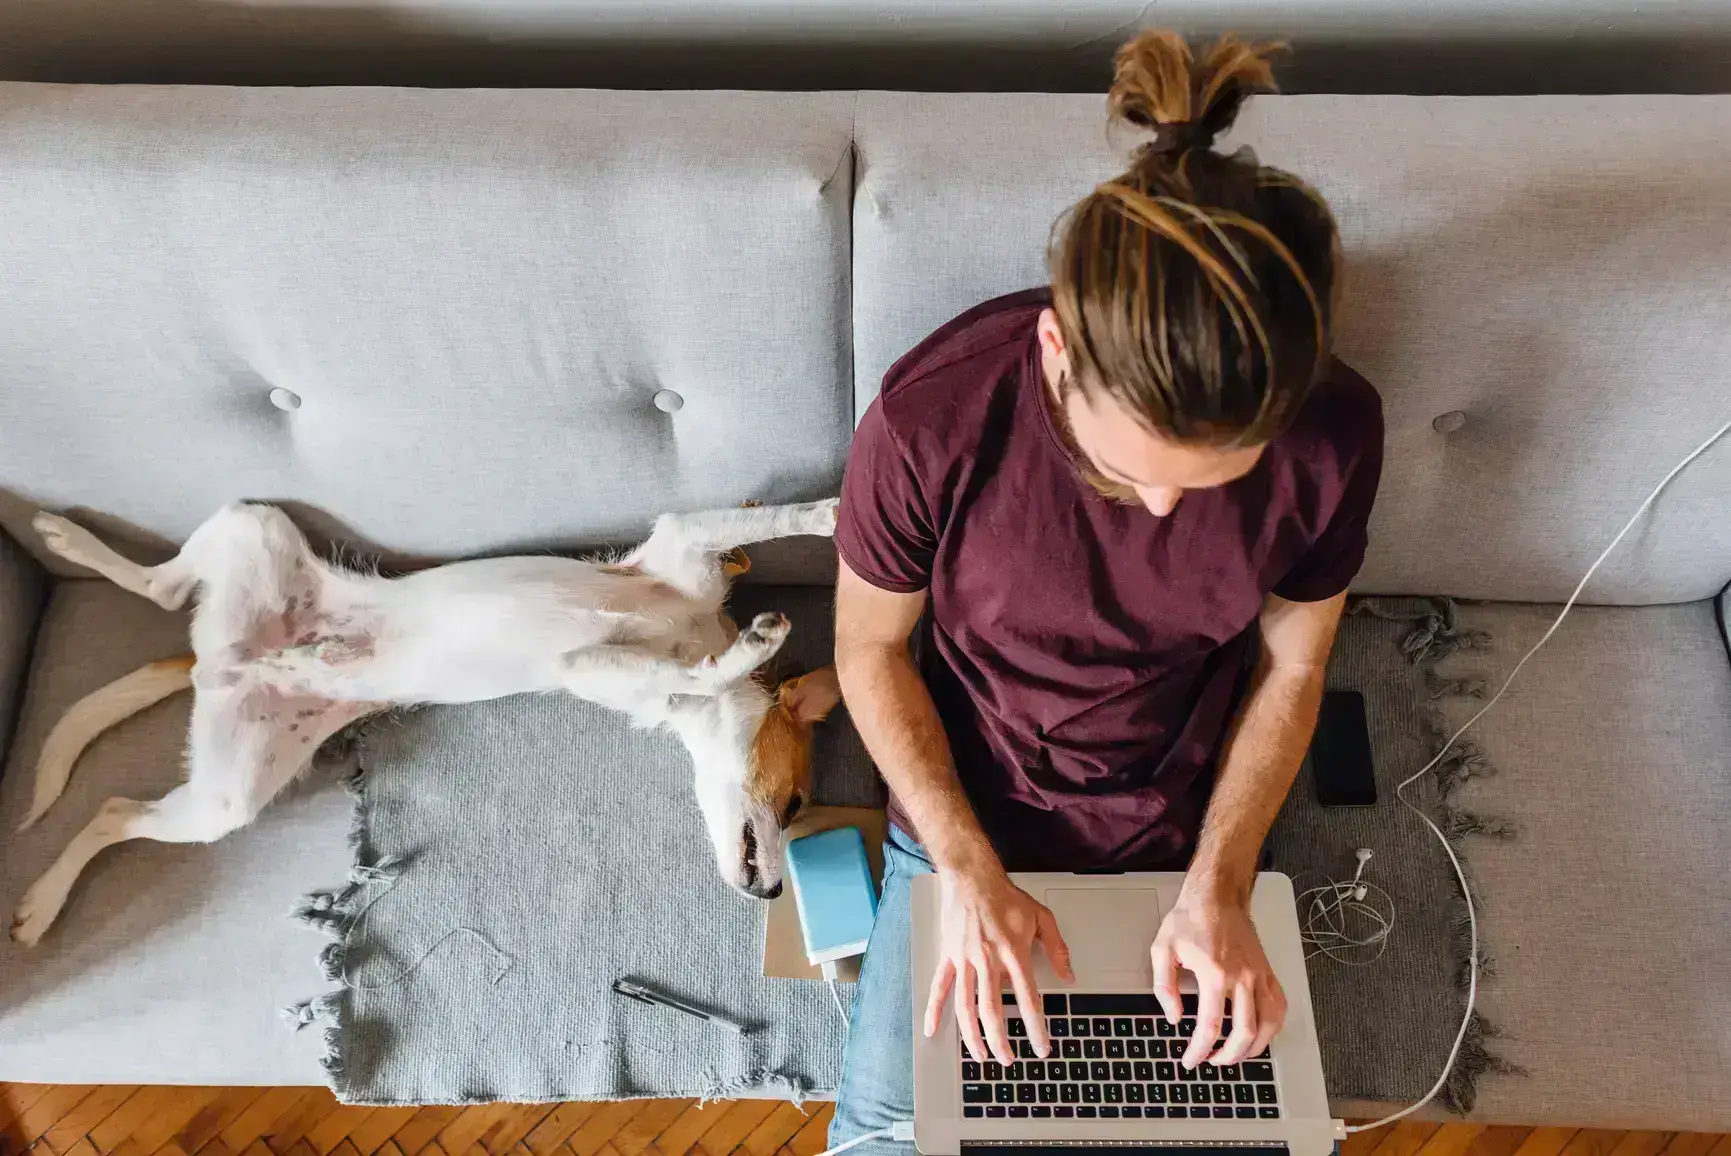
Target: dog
(288, 650)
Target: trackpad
(1109, 931)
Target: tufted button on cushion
(1450, 422)
(668, 402)
(285, 399)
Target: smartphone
(1340, 752)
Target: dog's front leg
(681, 543)
(626, 677)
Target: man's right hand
(988, 927)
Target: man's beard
(1107, 488)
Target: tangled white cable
(1347, 922)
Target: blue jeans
(877, 1076)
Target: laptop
(1112, 1079)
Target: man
(1127, 510)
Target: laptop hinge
(1122, 1147)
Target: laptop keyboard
(1115, 1057)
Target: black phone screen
(1340, 752)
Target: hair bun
(1158, 85)
(1180, 137)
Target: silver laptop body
(1274, 1105)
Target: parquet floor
(77, 1120)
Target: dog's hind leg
(240, 759)
(168, 585)
(93, 714)
(181, 816)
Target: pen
(643, 994)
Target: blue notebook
(832, 887)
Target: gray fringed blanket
(1386, 1026)
(515, 858)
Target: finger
(1271, 1017)
(997, 1032)
(940, 991)
(1210, 1005)
(967, 1022)
(1166, 981)
(1052, 942)
(1244, 1025)
(1028, 999)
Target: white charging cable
(1347, 922)
(829, 977)
(1454, 860)
(902, 1131)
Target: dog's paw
(768, 629)
(63, 538)
(36, 911)
(825, 515)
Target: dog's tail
(95, 713)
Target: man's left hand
(1210, 935)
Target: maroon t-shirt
(1086, 655)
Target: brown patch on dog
(781, 750)
(735, 562)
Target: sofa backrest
(455, 321)
(470, 302)
(1540, 287)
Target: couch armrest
(1724, 609)
(23, 588)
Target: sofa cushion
(169, 962)
(21, 590)
(1607, 911)
(454, 322)
(1543, 273)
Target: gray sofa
(437, 323)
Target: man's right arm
(989, 925)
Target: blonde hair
(1195, 288)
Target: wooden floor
(67, 1120)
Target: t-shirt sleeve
(1333, 560)
(884, 531)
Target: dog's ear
(812, 696)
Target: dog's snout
(751, 875)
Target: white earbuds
(1342, 922)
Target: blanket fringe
(1436, 631)
(335, 912)
(1461, 1092)
(1436, 634)
(792, 1087)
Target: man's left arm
(1209, 932)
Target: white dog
(287, 650)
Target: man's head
(1192, 295)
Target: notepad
(832, 887)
